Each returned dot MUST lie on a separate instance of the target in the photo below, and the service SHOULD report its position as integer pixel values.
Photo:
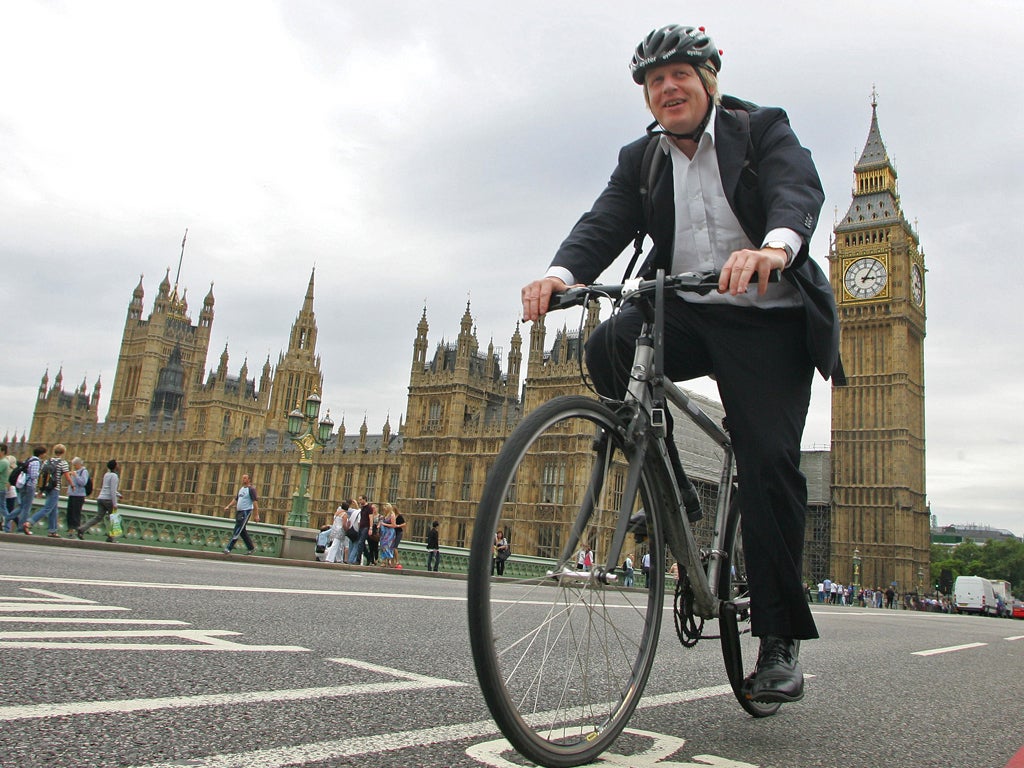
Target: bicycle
(562, 658)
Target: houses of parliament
(184, 436)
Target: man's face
(676, 97)
(245, 479)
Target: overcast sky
(426, 154)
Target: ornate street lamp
(856, 571)
(307, 435)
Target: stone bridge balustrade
(182, 530)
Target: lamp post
(307, 435)
(856, 571)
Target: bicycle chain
(689, 628)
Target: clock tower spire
(877, 271)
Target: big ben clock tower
(880, 524)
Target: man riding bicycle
(740, 195)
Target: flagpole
(178, 274)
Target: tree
(999, 560)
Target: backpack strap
(649, 167)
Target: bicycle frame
(646, 430)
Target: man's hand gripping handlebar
(701, 283)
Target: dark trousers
(241, 519)
(103, 508)
(75, 511)
(759, 359)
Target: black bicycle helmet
(674, 43)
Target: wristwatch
(781, 245)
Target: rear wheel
(563, 654)
(739, 646)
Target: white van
(973, 594)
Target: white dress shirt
(707, 230)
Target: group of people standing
(49, 477)
(834, 593)
(360, 533)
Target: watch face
(917, 285)
(865, 278)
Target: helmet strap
(655, 128)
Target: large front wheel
(562, 653)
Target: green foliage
(1000, 560)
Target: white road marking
(57, 608)
(409, 682)
(390, 742)
(1015, 637)
(45, 601)
(490, 753)
(98, 640)
(222, 588)
(401, 673)
(54, 597)
(83, 620)
(949, 649)
(196, 640)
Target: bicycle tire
(739, 646)
(562, 662)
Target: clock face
(865, 278)
(917, 285)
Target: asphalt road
(117, 658)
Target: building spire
(874, 154)
(307, 304)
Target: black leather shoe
(777, 676)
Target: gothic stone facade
(184, 440)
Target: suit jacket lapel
(731, 149)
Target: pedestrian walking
(54, 476)
(26, 485)
(627, 571)
(433, 547)
(245, 504)
(106, 500)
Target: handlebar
(701, 283)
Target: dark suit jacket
(769, 180)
